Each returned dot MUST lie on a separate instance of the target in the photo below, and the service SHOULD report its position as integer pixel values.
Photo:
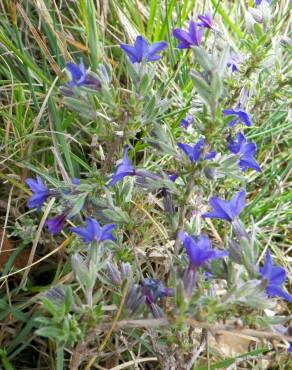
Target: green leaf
(68, 299)
(202, 87)
(216, 85)
(203, 58)
(50, 332)
(78, 205)
(117, 215)
(220, 69)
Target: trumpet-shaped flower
(77, 73)
(233, 61)
(240, 116)
(210, 155)
(276, 276)
(123, 169)
(40, 192)
(258, 2)
(246, 151)
(199, 249)
(187, 121)
(193, 152)
(191, 38)
(56, 224)
(225, 210)
(206, 20)
(155, 289)
(79, 77)
(94, 232)
(143, 51)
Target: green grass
(34, 119)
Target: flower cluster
(104, 205)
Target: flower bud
(189, 280)
(114, 273)
(239, 229)
(234, 251)
(126, 271)
(156, 311)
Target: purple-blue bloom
(123, 169)
(210, 155)
(187, 121)
(77, 73)
(56, 224)
(206, 20)
(75, 181)
(246, 151)
(225, 210)
(290, 347)
(276, 276)
(258, 2)
(155, 289)
(191, 38)
(94, 232)
(79, 77)
(233, 61)
(40, 192)
(143, 51)
(240, 116)
(199, 249)
(193, 152)
(173, 176)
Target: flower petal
(131, 52)
(182, 35)
(74, 71)
(141, 46)
(221, 209)
(80, 231)
(277, 291)
(155, 48)
(237, 202)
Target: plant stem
(60, 357)
(182, 212)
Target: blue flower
(240, 115)
(75, 181)
(193, 152)
(56, 224)
(276, 276)
(206, 20)
(40, 192)
(77, 73)
(143, 51)
(79, 77)
(246, 151)
(185, 122)
(191, 38)
(233, 61)
(199, 249)
(210, 155)
(93, 231)
(155, 289)
(225, 210)
(258, 2)
(173, 176)
(123, 169)
(290, 347)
